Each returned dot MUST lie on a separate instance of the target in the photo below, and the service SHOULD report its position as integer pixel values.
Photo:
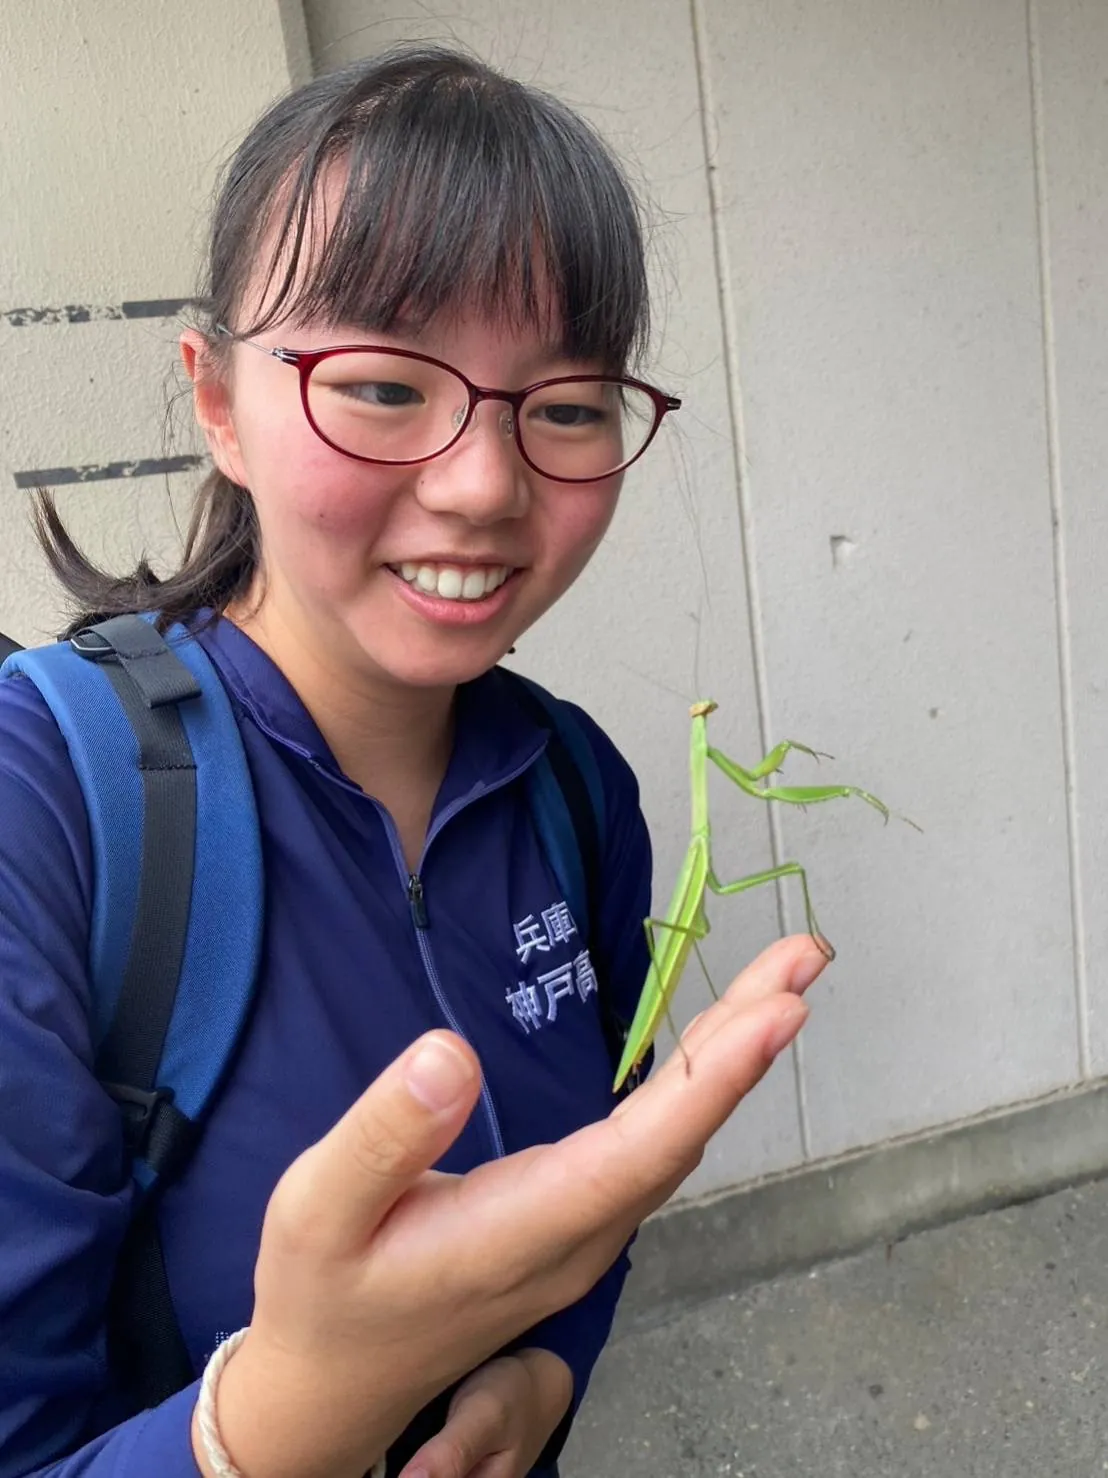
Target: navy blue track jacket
(352, 972)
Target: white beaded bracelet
(214, 1450)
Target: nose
(481, 478)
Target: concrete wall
(114, 120)
(880, 259)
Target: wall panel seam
(729, 329)
(1058, 536)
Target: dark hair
(463, 188)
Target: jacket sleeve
(64, 1186)
(578, 1334)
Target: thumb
(479, 1426)
(341, 1188)
(473, 1432)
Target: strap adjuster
(141, 1111)
(89, 643)
(154, 1128)
(144, 655)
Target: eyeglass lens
(390, 408)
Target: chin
(440, 669)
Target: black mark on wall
(96, 312)
(106, 471)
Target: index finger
(577, 1201)
(788, 965)
(654, 1138)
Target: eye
(564, 413)
(390, 394)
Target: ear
(211, 403)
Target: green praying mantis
(685, 923)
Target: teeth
(449, 582)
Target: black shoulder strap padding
(135, 663)
(575, 793)
(8, 646)
(149, 1355)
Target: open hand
(379, 1282)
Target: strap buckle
(89, 643)
(144, 655)
(141, 1111)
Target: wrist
(278, 1420)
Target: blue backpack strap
(566, 798)
(177, 905)
(176, 927)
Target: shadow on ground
(977, 1350)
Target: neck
(392, 740)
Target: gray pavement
(977, 1350)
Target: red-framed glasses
(397, 408)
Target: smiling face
(423, 203)
(411, 576)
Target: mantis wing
(684, 922)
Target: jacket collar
(494, 739)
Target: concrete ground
(978, 1350)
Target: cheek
(300, 485)
(578, 523)
(341, 506)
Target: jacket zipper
(415, 898)
(413, 885)
(418, 904)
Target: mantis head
(703, 708)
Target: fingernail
(806, 969)
(792, 1017)
(438, 1074)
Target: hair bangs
(458, 191)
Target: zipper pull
(416, 900)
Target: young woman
(416, 379)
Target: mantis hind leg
(786, 870)
(704, 970)
(696, 932)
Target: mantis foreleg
(796, 795)
(776, 758)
